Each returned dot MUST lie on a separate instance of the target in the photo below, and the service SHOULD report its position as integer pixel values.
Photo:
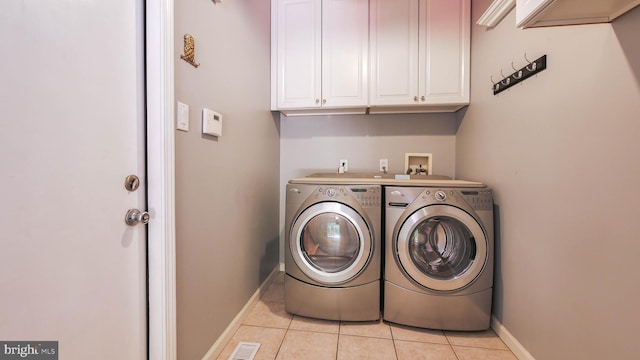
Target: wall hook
(532, 68)
(494, 85)
(504, 78)
(533, 65)
(517, 74)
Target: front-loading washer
(333, 251)
(438, 257)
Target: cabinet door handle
(324, 101)
(317, 101)
(415, 98)
(422, 98)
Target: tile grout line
(455, 353)
(286, 331)
(338, 342)
(393, 339)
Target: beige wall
(310, 144)
(561, 152)
(227, 188)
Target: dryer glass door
(442, 247)
(332, 242)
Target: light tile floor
(286, 336)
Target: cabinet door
(298, 71)
(345, 48)
(394, 52)
(444, 51)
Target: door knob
(135, 216)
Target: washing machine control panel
(331, 192)
(440, 195)
(368, 196)
(479, 200)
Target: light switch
(182, 118)
(211, 122)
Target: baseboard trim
(512, 343)
(228, 333)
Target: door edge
(161, 232)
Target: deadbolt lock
(131, 183)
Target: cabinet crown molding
(496, 12)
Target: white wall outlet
(343, 166)
(384, 165)
(182, 117)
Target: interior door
(72, 129)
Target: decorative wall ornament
(189, 51)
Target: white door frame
(161, 179)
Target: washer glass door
(331, 242)
(441, 247)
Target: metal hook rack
(532, 68)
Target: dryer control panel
(478, 199)
(367, 196)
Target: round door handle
(135, 217)
(324, 101)
(317, 101)
(422, 98)
(415, 98)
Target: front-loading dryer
(438, 257)
(333, 251)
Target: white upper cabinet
(419, 54)
(532, 13)
(319, 54)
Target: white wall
(226, 188)
(317, 143)
(561, 152)
(311, 144)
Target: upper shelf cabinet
(419, 55)
(319, 55)
(534, 13)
